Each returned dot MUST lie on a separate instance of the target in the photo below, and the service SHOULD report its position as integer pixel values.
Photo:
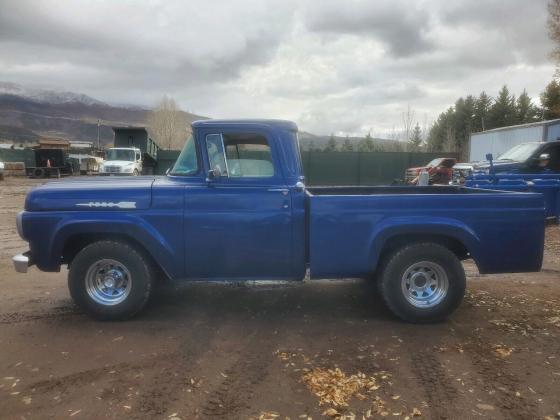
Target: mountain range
(29, 114)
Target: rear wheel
(422, 282)
(111, 280)
(38, 173)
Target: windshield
(520, 153)
(187, 162)
(434, 163)
(120, 154)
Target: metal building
(498, 140)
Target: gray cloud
(400, 26)
(332, 67)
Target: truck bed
(348, 226)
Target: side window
(554, 152)
(248, 155)
(137, 156)
(240, 155)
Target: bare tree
(408, 122)
(168, 124)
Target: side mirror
(489, 157)
(213, 174)
(541, 159)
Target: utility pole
(98, 145)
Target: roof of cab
(281, 124)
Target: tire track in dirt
(438, 388)
(498, 382)
(26, 316)
(233, 395)
(162, 389)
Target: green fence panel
(332, 168)
(362, 168)
(18, 155)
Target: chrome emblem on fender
(120, 205)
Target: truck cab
(122, 161)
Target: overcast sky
(347, 67)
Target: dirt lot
(207, 351)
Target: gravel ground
(230, 351)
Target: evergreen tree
(331, 144)
(415, 142)
(550, 101)
(503, 111)
(366, 144)
(463, 120)
(526, 111)
(481, 110)
(441, 134)
(347, 146)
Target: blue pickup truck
(235, 207)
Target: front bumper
(22, 262)
(116, 173)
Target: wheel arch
(459, 239)
(76, 242)
(71, 237)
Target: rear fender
(430, 226)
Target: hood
(91, 194)
(117, 162)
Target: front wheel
(135, 173)
(111, 280)
(422, 282)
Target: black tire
(38, 173)
(142, 275)
(135, 173)
(395, 267)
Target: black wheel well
(449, 242)
(75, 243)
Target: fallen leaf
(331, 412)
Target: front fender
(422, 225)
(163, 242)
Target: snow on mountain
(46, 95)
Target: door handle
(284, 191)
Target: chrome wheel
(425, 284)
(108, 282)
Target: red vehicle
(440, 171)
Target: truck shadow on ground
(354, 300)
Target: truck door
(238, 225)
